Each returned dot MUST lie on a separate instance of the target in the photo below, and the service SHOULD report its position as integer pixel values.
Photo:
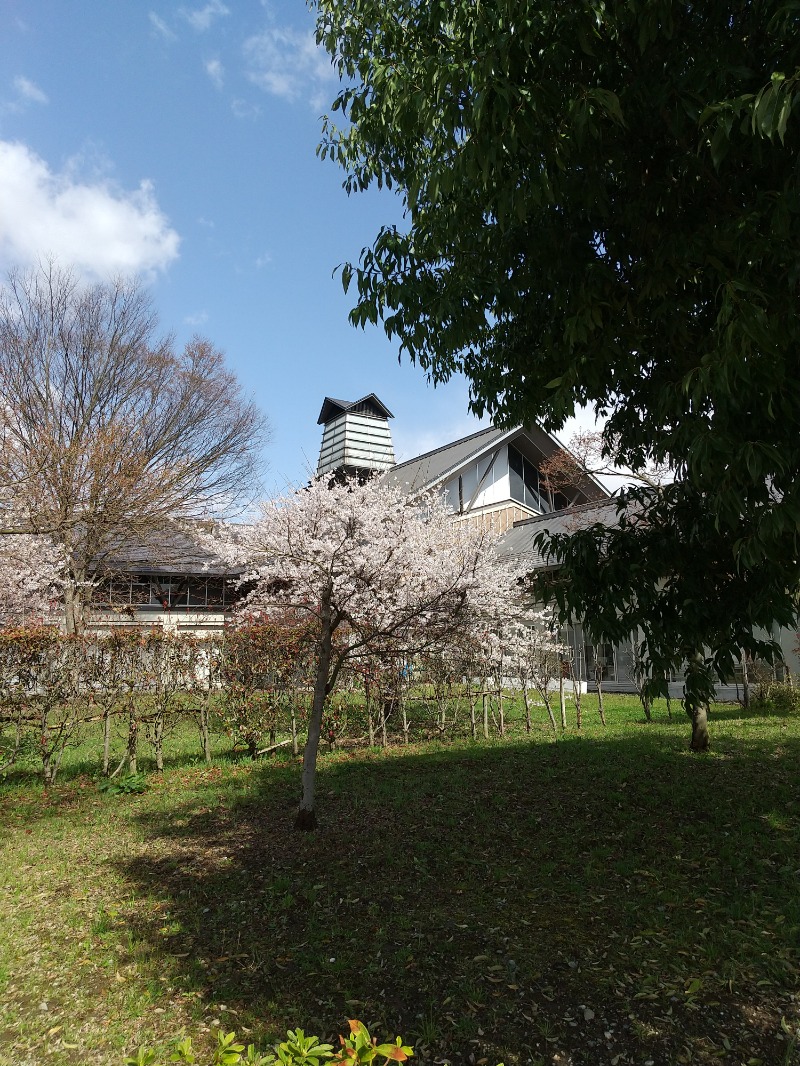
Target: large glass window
(524, 478)
(600, 662)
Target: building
(490, 478)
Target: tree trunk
(485, 716)
(576, 692)
(158, 740)
(549, 707)
(133, 738)
(598, 677)
(205, 731)
(294, 729)
(384, 734)
(74, 604)
(698, 687)
(405, 723)
(745, 681)
(562, 700)
(306, 819)
(106, 740)
(527, 708)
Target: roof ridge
(572, 509)
(445, 447)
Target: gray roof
(368, 405)
(429, 468)
(170, 551)
(518, 541)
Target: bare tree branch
(109, 433)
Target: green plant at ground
(129, 785)
(357, 1049)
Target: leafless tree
(590, 452)
(110, 434)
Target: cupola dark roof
(368, 405)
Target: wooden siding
(496, 519)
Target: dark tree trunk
(205, 730)
(698, 689)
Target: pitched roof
(172, 550)
(367, 405)
(518, 541)
(431, 466)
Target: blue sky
(178, 141)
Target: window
(524, 479)
(603, 666)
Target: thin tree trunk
(473, 724)
(502, 714)
(745, 681)
(600, 707)
(576, 692)
(306, 819)
(485, 716)
(106, 740)
(549, 707)
(294, 729)
(405, 723)
(527, 708)
(205, 730)
(133, 739)
(562, 700)
(158, 740)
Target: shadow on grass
(586, 898)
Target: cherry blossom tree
(374, 569)
(31, 578)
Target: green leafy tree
(602, 207)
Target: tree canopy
(108, 434)
(373, 570)
(603, 208)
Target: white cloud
(161, 28)
(91, 225)
(417, 433)
(243, 109)
(200, 18)
(265, 259)
(29, 91)
(288, 63)
(215, 71)
(196, 319)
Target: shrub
(357, 1049)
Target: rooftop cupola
(356, 438)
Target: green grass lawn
(602, 898)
